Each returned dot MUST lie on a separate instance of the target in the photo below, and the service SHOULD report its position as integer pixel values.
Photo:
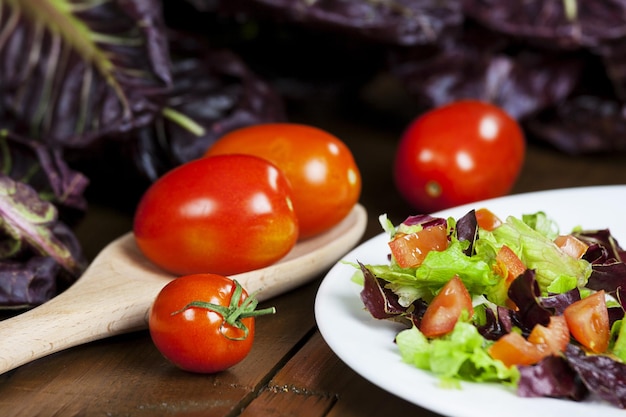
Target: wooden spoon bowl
(116, 291)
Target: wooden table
(291, 370)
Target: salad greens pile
(552, 281)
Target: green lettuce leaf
(459, 356)
(533, 242)
(437, 269)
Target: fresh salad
(513, 301)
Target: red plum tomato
(325, 180)
(458, 153)
(203, 323)
(225, 214)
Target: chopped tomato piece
(409, 250)
(513, 349)
(588, 321)
(487, 219)
(555, 336)
(445, 309)
(508, 264)
(571, 245)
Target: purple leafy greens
(607, 259)
(552, 377)
(524, 292)
(30, 230)
(217, 91)
(602, 375)
(383, 304)
(45, 169)
(467, 230)
(401, 22)
(27, 284)
(497, 323)
(114, 71)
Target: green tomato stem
(235, 312)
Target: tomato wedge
(571, 245)
(486, 219)
(445, 309)
(409, 250)
(555, 336)
(588, 321)
(514, 349)
(508, 264)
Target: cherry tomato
(324, 177)
(225, 214)
(588, 320)
(458, 153)
(445, 309)
(203, 323)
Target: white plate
(367, 345)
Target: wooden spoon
(116, 291)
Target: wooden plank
(285, 403)
(315, 370)
(126, 375)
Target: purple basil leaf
(557, 303)
(45, 169)
(73, 75)
(467, 230)
(524, 292)
(30, 223)
(608, 277)
(582, 124)
(604, 239)
(423, 219)
(26, 284)
(382, 303)
(602, 375)
(404, 22)
(550, 22)
(217, 91)
(552, 377)
(497, 323)
(522, 84)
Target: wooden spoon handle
(78, 315)
(114, 295)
